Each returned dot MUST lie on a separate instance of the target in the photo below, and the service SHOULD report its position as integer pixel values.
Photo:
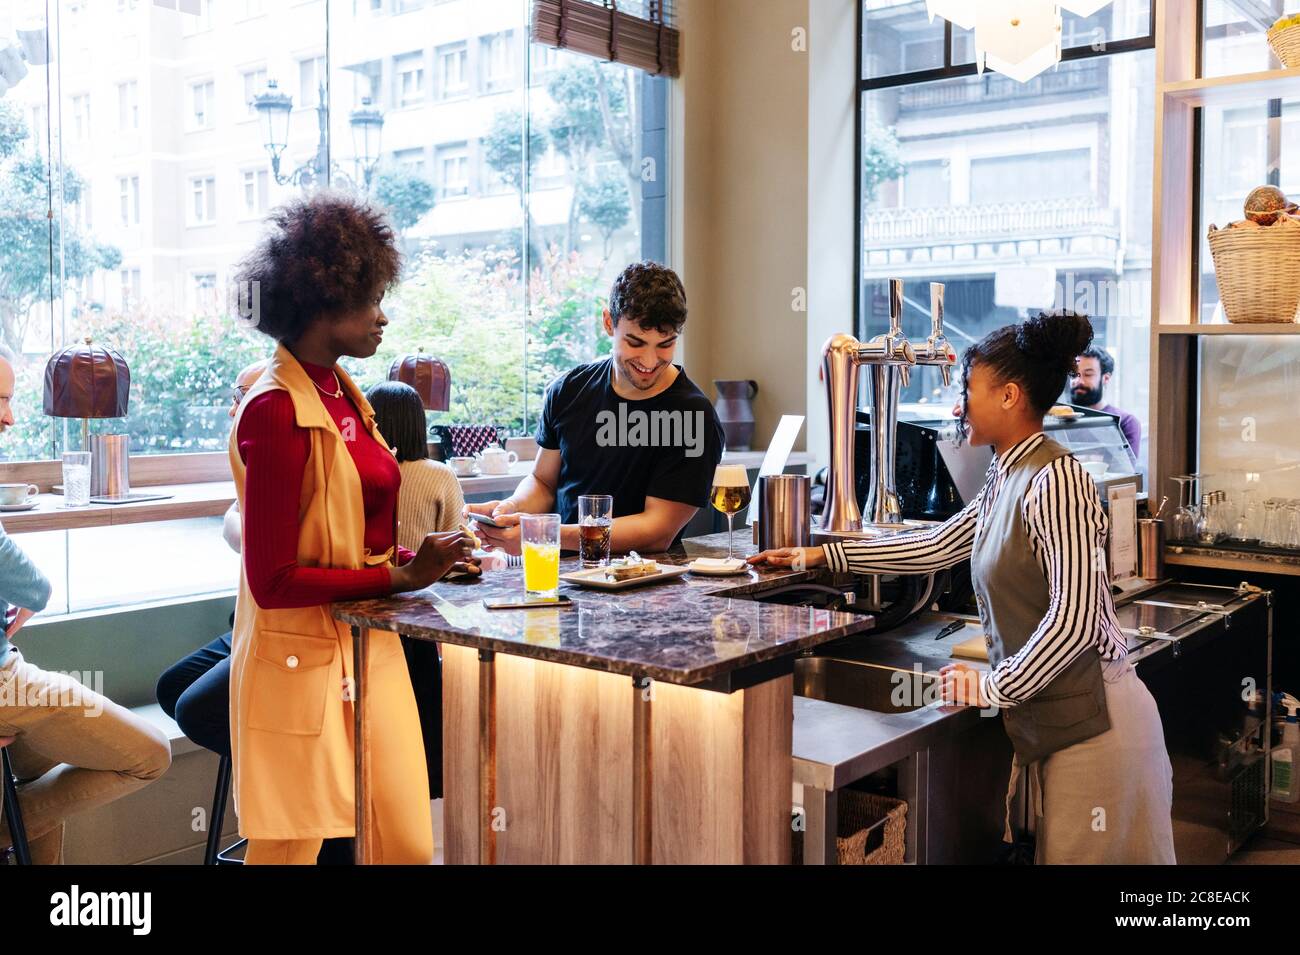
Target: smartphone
(485, 519)
(520, 603)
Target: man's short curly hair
(651, 295)
(321, 255)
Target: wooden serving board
(972, 649)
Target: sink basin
(867, 686)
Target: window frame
(949, 70)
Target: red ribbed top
(274, 451)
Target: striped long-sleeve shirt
(1067, 529)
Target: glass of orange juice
(540, 537)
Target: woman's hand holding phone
(438, 554)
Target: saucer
(475, 473)
(717, 566)
(25, 506)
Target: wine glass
(730, 494)
(1184, 523)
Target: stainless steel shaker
(784, 511)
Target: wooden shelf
(1217, 559)
(1270, 328)
(1231, 90)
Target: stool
(12, 811)
(212, 855)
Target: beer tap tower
(891, 357)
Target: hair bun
(1055, 338)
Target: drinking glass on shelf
(1183, 526)
(540, 538)
(595, 521)
(1293, 526)
(730, 494)
(76, 478)
(1271, 535)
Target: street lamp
(367, 134)
(275, 107)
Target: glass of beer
(540, 536)
(595, 520)
(730, 494)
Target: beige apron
(1109, 799)
(1099, 778)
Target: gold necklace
(337, 384)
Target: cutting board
(972, 649)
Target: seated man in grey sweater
(72, 748)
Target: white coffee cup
(17, 493)
(497, 460)
(463, 466)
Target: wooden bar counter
(649, 725)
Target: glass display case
(935, 476)
(1097, 441)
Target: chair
(212, 854)
(12, 811)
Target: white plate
(475, 473)
(26, 506)
(595, 577)
(720, 569)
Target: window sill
(208, 499)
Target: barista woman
(1078, 715)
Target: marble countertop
(686, 630)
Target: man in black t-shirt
(632, 426)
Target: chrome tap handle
(905, 374)
(936, 310)
(895, 308)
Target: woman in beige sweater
(430, 499)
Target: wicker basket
(1258, 271)
(1285, 43)
(876, 828)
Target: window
(453, 170)
(367, 82)
(453, 71)
(171, 209)
(202, 98)
(1040, 175)
(926, 184)
(406, 6)
(544, 61)
(81, 117)
(203, 290)
(203, 200)
(311, 78)
(497, 57)
(254, 82)
(411, 160)
(193, 24)
(128, 188)
(128, 105)
(409, 70)
(131, 286)
(85, 208)
(255, 192)
(1016, 196)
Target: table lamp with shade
(87, 381)
(429, 376)
(431, 379)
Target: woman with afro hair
(317, 487)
